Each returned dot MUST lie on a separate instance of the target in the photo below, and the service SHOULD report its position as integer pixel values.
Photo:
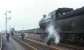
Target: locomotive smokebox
(49, 30)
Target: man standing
(7, 36)
(22, 35)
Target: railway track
(56, 47)
(25, 45)
(31, 45)
(34, 45)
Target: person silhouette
(22, 35)
(7, 36)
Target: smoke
(52, 33)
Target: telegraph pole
(6, 19)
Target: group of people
(22, 36)
(8, 36)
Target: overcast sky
(25, 14)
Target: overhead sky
(25, 14)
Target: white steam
(52, 33)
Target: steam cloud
(52, 33)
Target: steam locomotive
(70, 23)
